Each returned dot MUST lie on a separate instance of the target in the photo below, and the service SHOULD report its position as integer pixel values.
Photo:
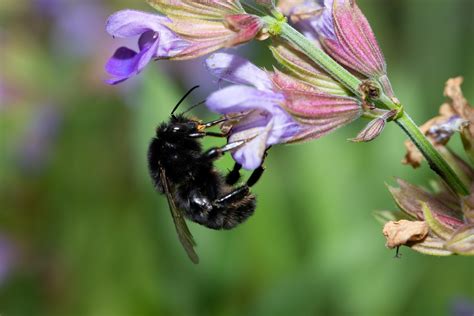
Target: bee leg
(236, 195)
(204, 134)
(217, 152)
(221, 120)
(255, 176)
(215, 122)
(234, 175)
(257, 173)
(211, 124)
(216, 134)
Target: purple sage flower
(190, 29)
(277, 108)
(343, 31)
(266, 123)
(156, 41)
(347, 36)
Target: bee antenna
(182, 99)
(193, 106)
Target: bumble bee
(195, 190)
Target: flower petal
(238, 70)
(325, 23)
(127, 23)
(122, 62)
(169, 43)
(265, 122)
(239, 98)
(402, 232)
(250, 155)
(126, 62)
(261, 129)
(265, 105)
(299, 10)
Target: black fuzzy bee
(194, 188)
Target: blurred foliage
(87, 234)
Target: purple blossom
(277, 109)
(156, 41)
(266, 123)
(346, 35)
(325, 22)
(188, 29)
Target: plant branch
(279, 27)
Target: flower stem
(435, 160)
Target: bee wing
(182, 229)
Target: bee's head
(179, 126)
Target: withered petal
(403, 232)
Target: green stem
(278, 27)
(435, 160)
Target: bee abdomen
(240, 212)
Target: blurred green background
(82, 231)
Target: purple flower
(190, 29)
(265, 123)
(277, 108)
(346, 35)
(210, 25)
(155, 41)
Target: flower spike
(277, 109)
(188, 30)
